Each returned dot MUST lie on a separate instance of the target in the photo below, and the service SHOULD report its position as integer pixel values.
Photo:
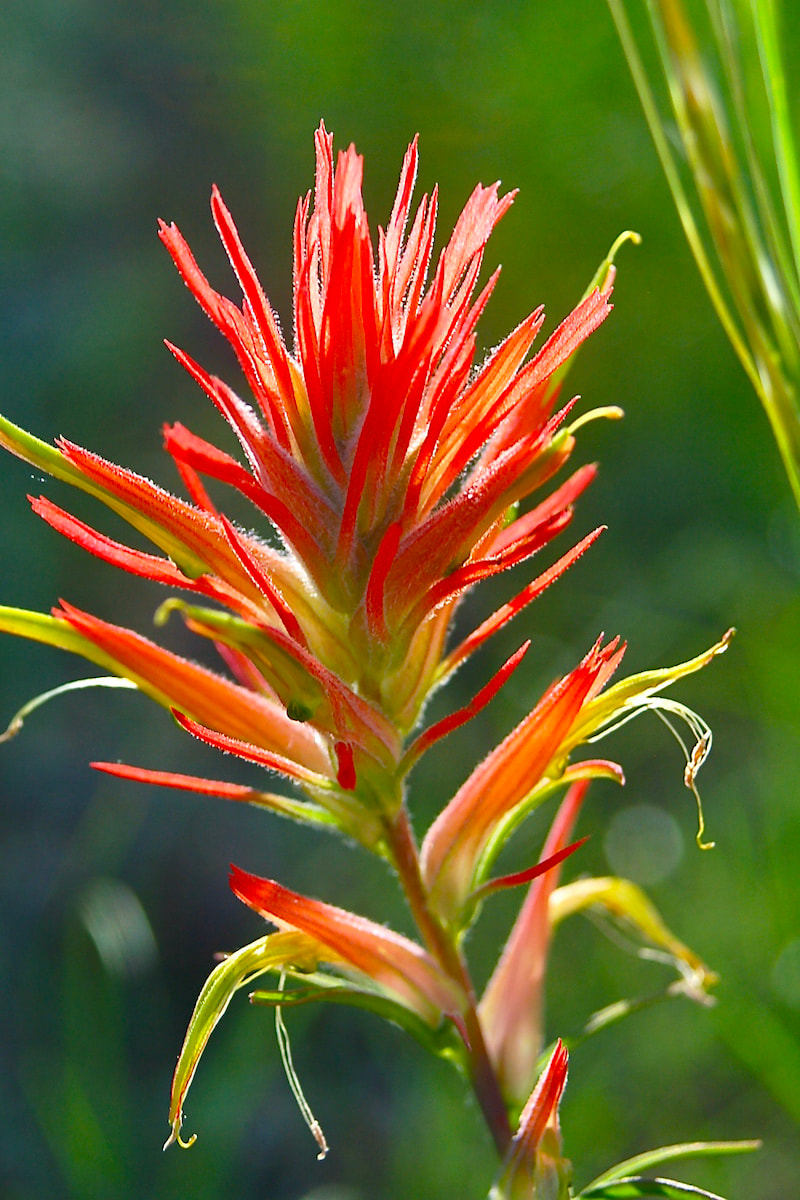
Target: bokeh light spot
(643, 843)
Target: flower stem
(442, 946)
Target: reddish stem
(442, 946)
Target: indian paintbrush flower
(396, 475)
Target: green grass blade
(728, 38)
(679, 196)
(768, 39)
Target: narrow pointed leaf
(455, 720)
(270, 953)
(647, 1189)
(654, 1158)
(529, 874)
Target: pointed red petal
(186, 783)
(541, 1108)
(264, 583)
(260, 306)
(393, 961)
(456, 719)
(251, 752)
(150, 566)
(530, 873)
(209, 698)
(502, 615)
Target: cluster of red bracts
(391, 470)
(388, 467)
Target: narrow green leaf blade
(269, 953)
(663, 1154)
(647, 1189)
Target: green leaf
(647, 1189)
(274, 952)
(655, 1158)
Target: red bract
(512, 1004)
(395, 963)
(535, 1166)
(529, 757)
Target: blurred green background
(114, 897)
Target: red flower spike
(394, 962)
(392, 417)
(387, 464)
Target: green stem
(443, 948)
